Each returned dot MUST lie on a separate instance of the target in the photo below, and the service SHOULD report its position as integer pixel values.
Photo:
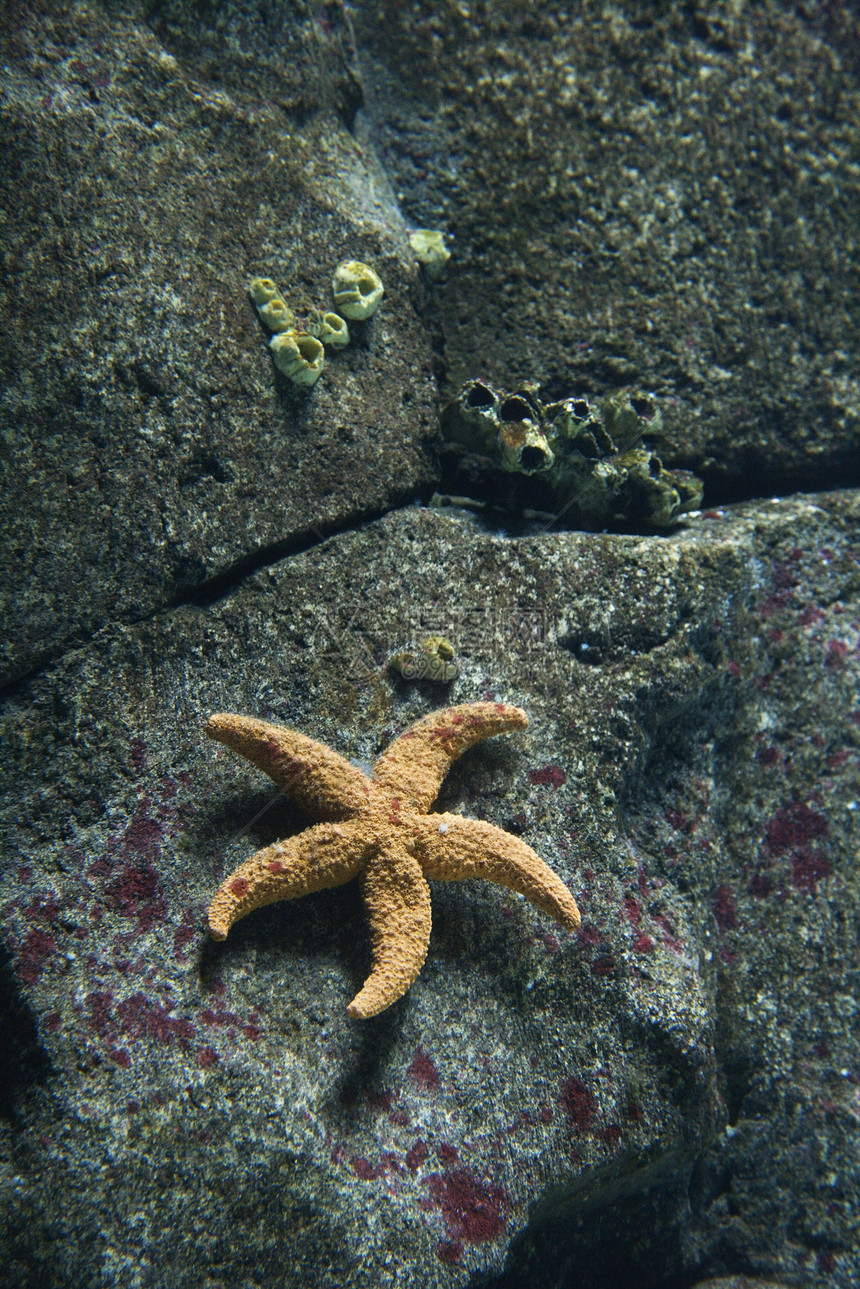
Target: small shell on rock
(332, 330)
(434, 659)
(357, 289)
(430, 251)
(298, 355)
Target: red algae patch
(808, 870)
(793, 825)
(472, 1210)
(416, 1155)
(579, 1104)
(134, 1018)
(141, 1017)
(549, 776)
(364, 1168)
(724, 908)
(37, 949)
(422, 1070)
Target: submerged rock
(535, 1093)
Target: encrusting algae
(378, 829)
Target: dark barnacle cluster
(580, 458)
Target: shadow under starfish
(377, 829)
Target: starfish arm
(320, 857)
(415, 764)
(317, 778)
(397, 900)
(450, 848)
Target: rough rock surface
(186, 1114)
(150, 169)
(661, 195)
(737, 1282)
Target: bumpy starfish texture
(378, 829)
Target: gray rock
(650, 195)
(151, 169)
(737, 1282)
(186, 1114)
(673, 1092)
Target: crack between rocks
(231, 578)
(207, 593)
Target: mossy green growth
(586, 454)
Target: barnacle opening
(309, 348)
(516, 408)
(644, 407)
(479, 396)
(533, 459)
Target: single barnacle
(298, 355)
(630, 415)
(434, 659)
(277, 315)
(523, 444)
(357, 289)
(478, 403)
(430, 251)
(472, 418)
(332, 330)
(406, 662)
(577, 425)
(439, 658)
(262, 290)
(654, 495)
(689, 488)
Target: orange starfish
(378, 829)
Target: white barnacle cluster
(298, 345)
